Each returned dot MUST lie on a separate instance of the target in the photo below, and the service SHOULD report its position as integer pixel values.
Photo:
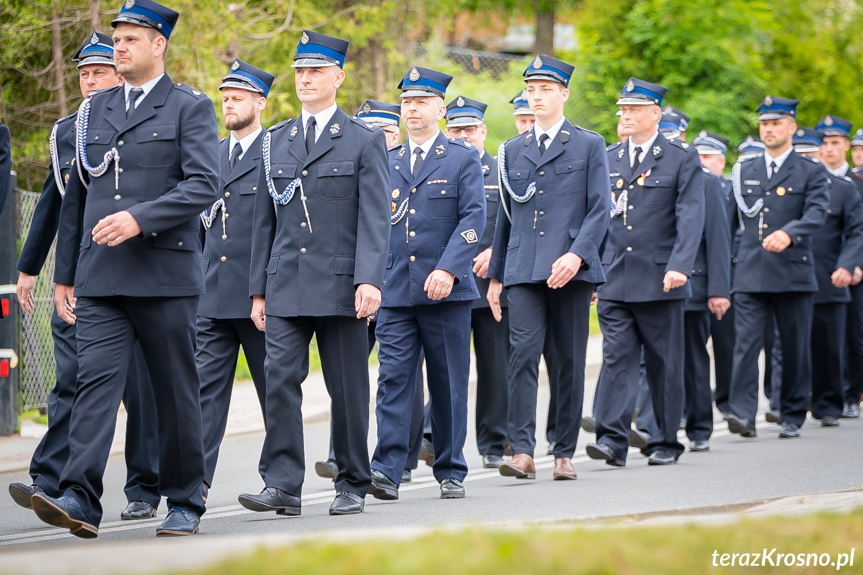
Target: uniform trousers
(107, 330)
(828, 359)
(218, 347)
(533, 309)
(492, 350)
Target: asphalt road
(735, 470)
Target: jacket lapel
(147, 108)
(225, 158)
(532, 149)
(325, 141)
(432, 159)
(117, 109)
(786, 171)
(248, 162)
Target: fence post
(9, 313)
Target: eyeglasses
(454, 131)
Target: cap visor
(414, 93)
(773, 116)
(312, 63)
(523, 112)
(633, 101)
(834, 132)
(241, 86)
(806, 148)
(708, 151)
(96, 60)
(463, 122)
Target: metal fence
(36, 376)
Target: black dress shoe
(829, 421)
(383, 487)
(588, 423)
(427, 452)
(406, 476)
(272, 499)
(327, 469)
(638, 438)
(741, 426)
(789, 431)
(604, 452)
(773, 416)
(66, 512)
(21, 493)
(699, 445)
(850, 411)
(179, 522)
(451, 489)
(661, 457)
(491, 461)
(347, 503)
(138, 510)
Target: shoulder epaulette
(281, 125)
(461, 142)
(197, 94)
(705, 170)
(586, 131)
(613, 146)
(361, 123)
(813, 160)
(396, 149)
(680, 144)
(747, 158)
(71, 116)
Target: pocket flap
(568, 166)
(607, 257)
(327, 169)
(182, 240)
(99, 137)
(573, 232)
(519, 174)
(345, 265)
(86, 238)
(658, 181)
(513, 241)
(272, 265)
(155, 133)
(442, 191)
(283, 171)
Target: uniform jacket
(315, 272)
(227, 261)
(170, 167)
(492, 199)
(856, 176)
(443, 224)
(795, 201)
(568, 213)
(731, 217)
(5, 164)
(46, 216)
(710, 275)
(663, 224)
(839, 242)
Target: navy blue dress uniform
(5, 164)
(554, 201)
(656, 227)
(795, 200)
(158, 162)
(224, 313)
(722, 330)
(141, 453)
(379, 114)
(490, 338)
(320, 228)
(438, 217)
(834, 307)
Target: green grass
(34, 414)
(679, 550)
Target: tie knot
(637, 151)
(311, 121)
(418, 151)
(773, 166)
(543, 138)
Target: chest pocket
(157, 146)
(283, 172)
(834, 211)
(247, 187)
(443, 201)
(334, 184)
(573, 171)
(658, 191)
(492, 195)
(748, 192)
(98, 142)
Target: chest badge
(613, 197)
(619, 183)
(396, 193)
(486, 169)
(440, 149)
(780, 191)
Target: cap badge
(94, 39)
(459, 102)
(414, 74)
(630, 86)
(304, 39)
(367, 108)
(702, 134)
(537, 63)
(828, 121)
(768, 101)
(800, 132)
(235, 65)
(129, 4)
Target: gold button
(224, 258)
(302, 250)
(413, 191)
(305, 172)
(413, 234)
(413, 258)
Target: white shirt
(552, 132)
(645, 146)
(147, 87)
(425, 147)
(245, 143)
(768, 159)
(841, 171)
(322, 119)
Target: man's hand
(858, 276)
(495, 287)
(673, 280)
(480, 263)
(776, 242)
(563, 270)
(367, 300)
(718, 306)
(594, 299)
(116, 229)
(841, 278)
(26, 285)
(439, 284)
(258, 316)
(64, 301)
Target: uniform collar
(645, 146)
(322, 119)
(779, 160)
(146, 86)
(245, 143)
(841, 171)
(425, 146)
(552, 132)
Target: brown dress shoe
(563, 468)
(521, 467)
